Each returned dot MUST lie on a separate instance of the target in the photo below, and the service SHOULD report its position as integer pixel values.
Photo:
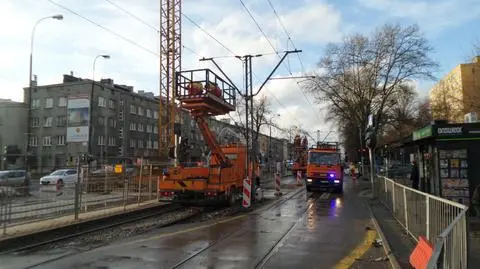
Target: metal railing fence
(93, 195)
(421, 214)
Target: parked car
(61, 176)
(14, 178)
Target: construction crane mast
(170, 63)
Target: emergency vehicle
(324, 167)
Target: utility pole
(248, 96)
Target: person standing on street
(415, 175)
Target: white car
(61, 176)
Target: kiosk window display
(453, 166)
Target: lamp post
(90, 129)
(30, 82)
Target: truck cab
(324, 168)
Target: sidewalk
(400, 243)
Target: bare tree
(365, 74)
(261, 117)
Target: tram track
(221, 238)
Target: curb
(386, 246)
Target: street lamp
(90, 129)
(30, 82)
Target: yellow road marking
(358, 252)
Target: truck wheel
(232, 197)
(309, 189)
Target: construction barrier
(299, 178)
(421, 254)
(277, 185)
(247, 192)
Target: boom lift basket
(202, 91)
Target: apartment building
(457, 95)
(13, 129)
(78, 116)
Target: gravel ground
(104, 237)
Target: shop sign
(422, 133)
(450, 130)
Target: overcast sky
(72, 44)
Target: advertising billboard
(78, 108)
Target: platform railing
(421, 214)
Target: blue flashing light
(331, 175)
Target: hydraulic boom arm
(211, 142)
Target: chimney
(71, 73)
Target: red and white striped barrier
(247, 192)
(277, 185)
(299, 178)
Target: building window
(155, 130)
(111, 104)
(149, 128)
(140, 127)
(102, 102)
(132, 143)
(61, 140)
(149, 144)
(36, 103)
(33, 141)
(140, 144)
(133, 126)
(112, 123)
(48, 102)
(47, 141)
(101, 140)
(140, 111)
(101, 121)
(149, 113)
(61, 121)
(47, 122)
(133, 110)
(35, 122)
(111, 141)
(155, 144)
(155, 114)
(62, 101)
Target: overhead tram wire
(263, 33)
(294, 47)
(286, 32)
(140, 46)
(153, 27)
(105, 28)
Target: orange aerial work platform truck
(324, 167)
(220, 179)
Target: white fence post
(393, 198)
(427, 211)
(405, 207)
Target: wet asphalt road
(301, 230)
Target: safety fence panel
(441, 221)
(92, 195)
